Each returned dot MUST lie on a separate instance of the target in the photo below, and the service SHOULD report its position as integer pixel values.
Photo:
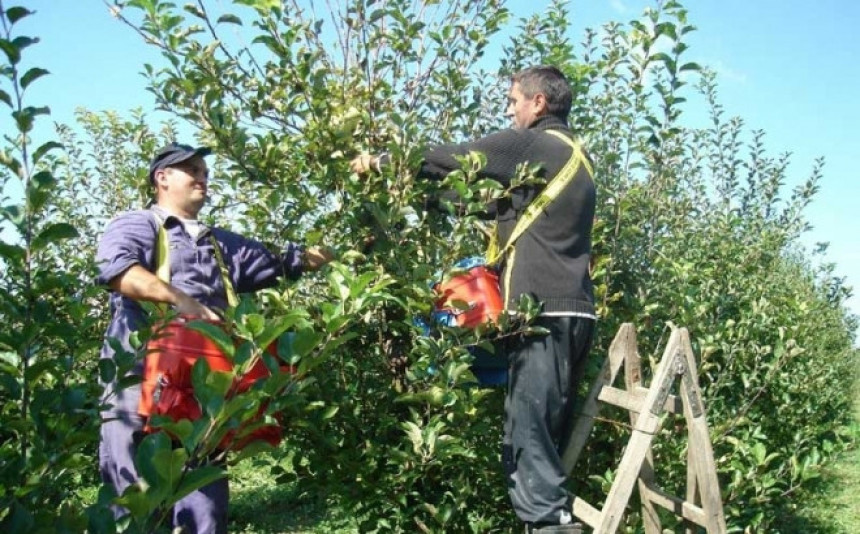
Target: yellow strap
(162, 265)
(549, 193)
(492, 254)
(162, 262)
(162, 251)
(232, 300)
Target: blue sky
(788, 67)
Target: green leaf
(194, 10)
(12, 52)
(338, 284)
(10, 358)
(9, 161)
(25, 117)
(229, 19)
(42, 184)
(336, 323)
(217, 335)
(54, 234)
(335, 343)
(376, 15)
(690, 66)
(36, 370)
(147, 5)
(198, 478)
(360, 284)
(180, 429)
(210, 387)
(157, 464)
(305, 341)
(16, 13)
(254, 323)
(18, 519)
(21, 42)
(264, 7)
(759, 452)
(13, 213)
(5, 98)
(666, 28)
(107, 370)
(44, 149)
(275, 329)
(31, 75)
(285, 347)
(242, 355)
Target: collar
(163, 214)
(548, 122)
(169, 219)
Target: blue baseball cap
(175, 153)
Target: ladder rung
(587, 513)
(674, 504)
(633, 400)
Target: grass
(837, 504)
(840, 505)
(260, 505)
(832, 505)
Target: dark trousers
(544, 375)
(199, 512)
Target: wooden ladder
(702, 505)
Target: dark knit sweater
(553, 255)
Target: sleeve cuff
(293, 259)
(382, 160)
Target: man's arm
(124, 250)
(139, 284)
(254, 266)
(504, 151)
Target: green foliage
(689, 231)
(49, 414)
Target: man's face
(523, 111)
(183, 186)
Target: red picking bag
(167, 388)
(478, 289)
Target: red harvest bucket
(471, 298)
(167, 388)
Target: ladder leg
(647, 425)
(623, 343)
(700, 442)
(633, 380)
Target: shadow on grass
(258, 505)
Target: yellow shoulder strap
(162, 261)
(232, 300)
(549, 193)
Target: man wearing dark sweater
(549, 261)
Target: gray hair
(549, 81)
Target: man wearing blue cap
(126, 261)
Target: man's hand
(186, 305)
(315, 257)
(364, 163)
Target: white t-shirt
(192, 226)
